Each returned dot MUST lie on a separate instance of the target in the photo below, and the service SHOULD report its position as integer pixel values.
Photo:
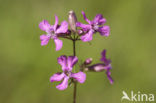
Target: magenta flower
(67, 64)
(96, 25)
(107, 66)
(102, 66)
(52, 32)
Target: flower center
(52, 35)
(95, 27)
(68, 73)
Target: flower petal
(56, 23)
(57, 77)
(103, 54)
(104, 59)
(83, 26)
(86, 19)
(58, 44)
(63, 27)
(99, 19)
(102, 21)
(87, 37)
(64, 84)
(44, 25)
(44, 39)
(104, 30)
(109, 76)
(62, 60)
(80, 77)
(71, 61)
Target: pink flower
(52, 32)
(67, 64)
(106, 65)
(96, 25)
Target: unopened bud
(80, 32)
(72, 20)
(88, 61)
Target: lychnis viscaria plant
(77, 32)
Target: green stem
(75, 83)
(74, 94)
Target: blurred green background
(26, 66)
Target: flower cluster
(85, 32)
(77, 31)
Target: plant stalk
(75, 83)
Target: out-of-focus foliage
(25, 66)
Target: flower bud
(88, 61)
(72, 20)
(80, 31)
